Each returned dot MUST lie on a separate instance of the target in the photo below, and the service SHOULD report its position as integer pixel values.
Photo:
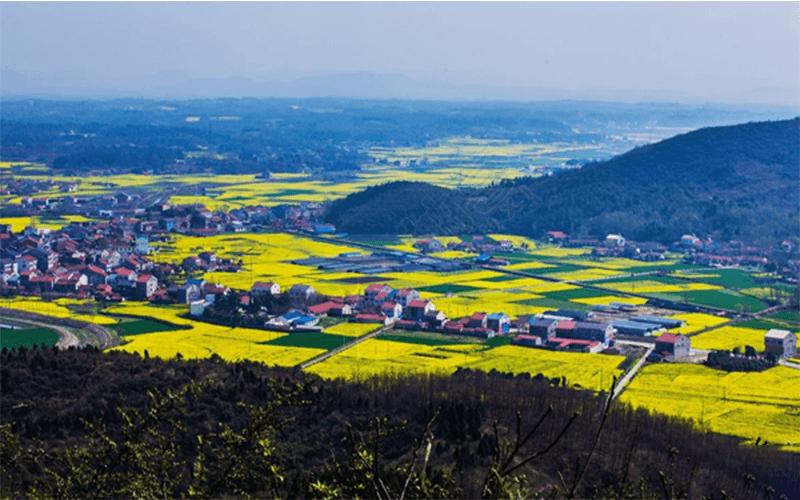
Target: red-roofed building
(69, 282)
(565, 327)
(676, 344)
(392, 309)
(26, 263)
(323, 309)
(371, 318)
(417, 309)
(406, 295)
(556, 236)
(405, 324)
(95, 275)
(146, 285)
(578, 345)
(341, 310)
(260, 287)
(376, 294)
(477, 320)
(42, 282)
(125, 273)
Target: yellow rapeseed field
(18, 224)
(517, 241)
(694, 322)
(588, 274)
(728, 337)
(57, 308)
(379, 356)
(656, 287)
(551, 251)
(525, 266)
(351, 329)
(608, 299)
(202, 340)
(266, 257)
(745, 404)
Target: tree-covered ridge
(82, 424)
(738, 182)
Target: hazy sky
(698, 47)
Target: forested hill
(738, 182)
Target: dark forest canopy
(736, 182)
(271, 432)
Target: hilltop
(738, 181)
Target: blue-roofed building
(667, 323)
(605, 308)
(324, 228)
(483, 258)
(634, 328)
(571, 313)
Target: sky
(704, 49)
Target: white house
(781, 342)
(260, 287)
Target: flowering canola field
(728, 337)
(388, 357)
(745, 404)
(56, 308)
(201, 340)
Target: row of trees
(735, 361)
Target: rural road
(633, 371)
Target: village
(109, 262)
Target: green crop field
(447, 287)
(141, 326)
(792, 316)
(313, 340)
(427, 338)
(578, 293)
(717, 298)
(27, 337)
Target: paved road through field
(632, 373)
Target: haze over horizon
(737, 53)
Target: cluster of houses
(102, 260)
(27, 186)
(567, 330)
(380, 304)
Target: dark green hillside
(405, 207)
(741, 182)
(249, 431)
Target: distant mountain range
(736, 182)
(178, 85)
